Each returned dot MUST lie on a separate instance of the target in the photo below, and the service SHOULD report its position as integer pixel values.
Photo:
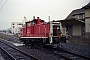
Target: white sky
(15, 10)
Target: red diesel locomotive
(38, 32)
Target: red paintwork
(37, 30)
(38, 21)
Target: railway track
(52, 51)
(41, 54)
(14, 53)
(66, 54)
(71, 55)
(37, 53)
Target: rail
(9, 55)
(26, 54)
(65, 54)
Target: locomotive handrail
(56, 22)
(54, 36)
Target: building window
(76, 16)
(19, 24)
(13, 32)
(83, 16)
(13, 23)
(13, 26)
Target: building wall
(69, 30)
(77, 30)
(87, 21)
(15, 26)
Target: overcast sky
(15, 10)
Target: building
(16, 27)
(76, 27)
(87, 20)
(75, 23)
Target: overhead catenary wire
(3, 5)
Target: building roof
(70, 21)
(87, 6)
(75, 12)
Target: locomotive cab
(54, 38)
